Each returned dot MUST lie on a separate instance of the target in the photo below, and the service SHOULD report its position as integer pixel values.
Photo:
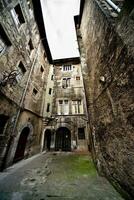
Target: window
(21, 68)
(45, 54)
(22, 71)
(77, 78)
(66, 82)
(67, 67)
(42, 69)
(76, 107)
(52, 77)
(4, 41)
(60, 107)
(3, 122)
(50, 90)
(63, 107)
(30, 44)
(66, 107)
(81, 134)
(2, 45)
(60, 101)
(48, 107)
(17, 15)
(35, 92)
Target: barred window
(67, 67)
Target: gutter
(113, 5)
(24, 93)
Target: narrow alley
(56, 176)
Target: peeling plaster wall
(107, 50)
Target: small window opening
(4, 41)
(67, 67)
(35, 92)
(52, 77)
(50, 90)
(48, 107)
(30, 44)
(81, 134)
(60, 101)
(22, 68)
(3, 122)
(66, 101)
(42, 69)
(77, 78)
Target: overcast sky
(60, 29)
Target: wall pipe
(113, 5)
(19, 111)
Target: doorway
(47, 140)
(63, 139)
(19, 154)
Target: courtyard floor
(55, 176)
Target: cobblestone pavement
(55, 176)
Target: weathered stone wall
(20, 102)
(106, 54)
(74, 91)
(49, 97)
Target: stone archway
(63, 139)
(20, 150)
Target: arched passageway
(47, 140)
(19, 154)
(63, 139)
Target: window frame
(48, 108)
(63, 104)
(50, 91)
(30, 46)
(66, 82)
(67, 68)
(35, 93)
(16, 18)
(52, 77)
(22, 70)
(4, 39)
(76, 104)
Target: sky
(58, 16)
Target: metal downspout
(113, 5)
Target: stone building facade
(106, 41)
(68, 128)
(24, 71)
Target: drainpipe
(24, 93)
(113, 6)
(19, 111)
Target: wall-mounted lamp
(8, 78)
(102, 79)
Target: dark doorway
(47, 139)
(19, 154)
(63, 139)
